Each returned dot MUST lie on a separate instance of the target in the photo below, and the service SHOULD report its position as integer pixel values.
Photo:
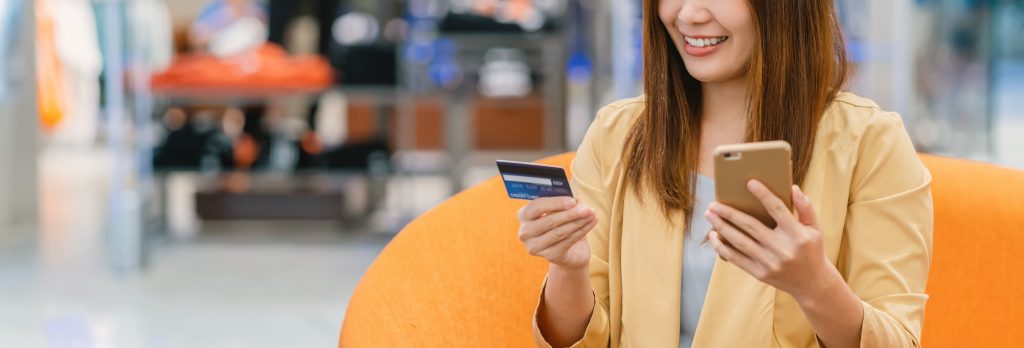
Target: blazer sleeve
(887, 239)
(589, 188)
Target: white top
(698, 261)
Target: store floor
(236, 284)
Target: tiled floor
(255, 284)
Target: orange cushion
(458, 275)
(976, 281)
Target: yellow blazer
(872, 196)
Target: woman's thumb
(804, 209)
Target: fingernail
(569, 202)
(714, 208)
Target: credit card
(530, 181)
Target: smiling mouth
(705, 42)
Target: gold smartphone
(769, 162)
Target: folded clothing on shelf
(267, 67)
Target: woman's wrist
(824, 286)
(568, 303)
(563, 272)
(568, 287)
(834, 310)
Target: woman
(633, 261)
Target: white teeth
(705, 42)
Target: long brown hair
(798, 66)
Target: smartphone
(769, 162)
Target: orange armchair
(459, 277)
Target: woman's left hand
(790, 257)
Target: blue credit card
(530, 181)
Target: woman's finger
(774, 205)
(729, 254)
(582, 233)
(804, 209)
(539, 207)
(753, 227)
(739, 240)
(562, 246)
(547, 239)
(543, 225)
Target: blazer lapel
(737, 310)
(652, 254)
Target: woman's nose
(693, 12)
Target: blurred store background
(220, 173)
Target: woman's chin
(706, 74)
(707, 77)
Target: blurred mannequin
(151, 33)
(78, 51)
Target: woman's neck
(726, 102)
(724, 119)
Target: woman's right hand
(556, 228)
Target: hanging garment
(229, 27)
(78, 51)
(268, 68)
(50, 96)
